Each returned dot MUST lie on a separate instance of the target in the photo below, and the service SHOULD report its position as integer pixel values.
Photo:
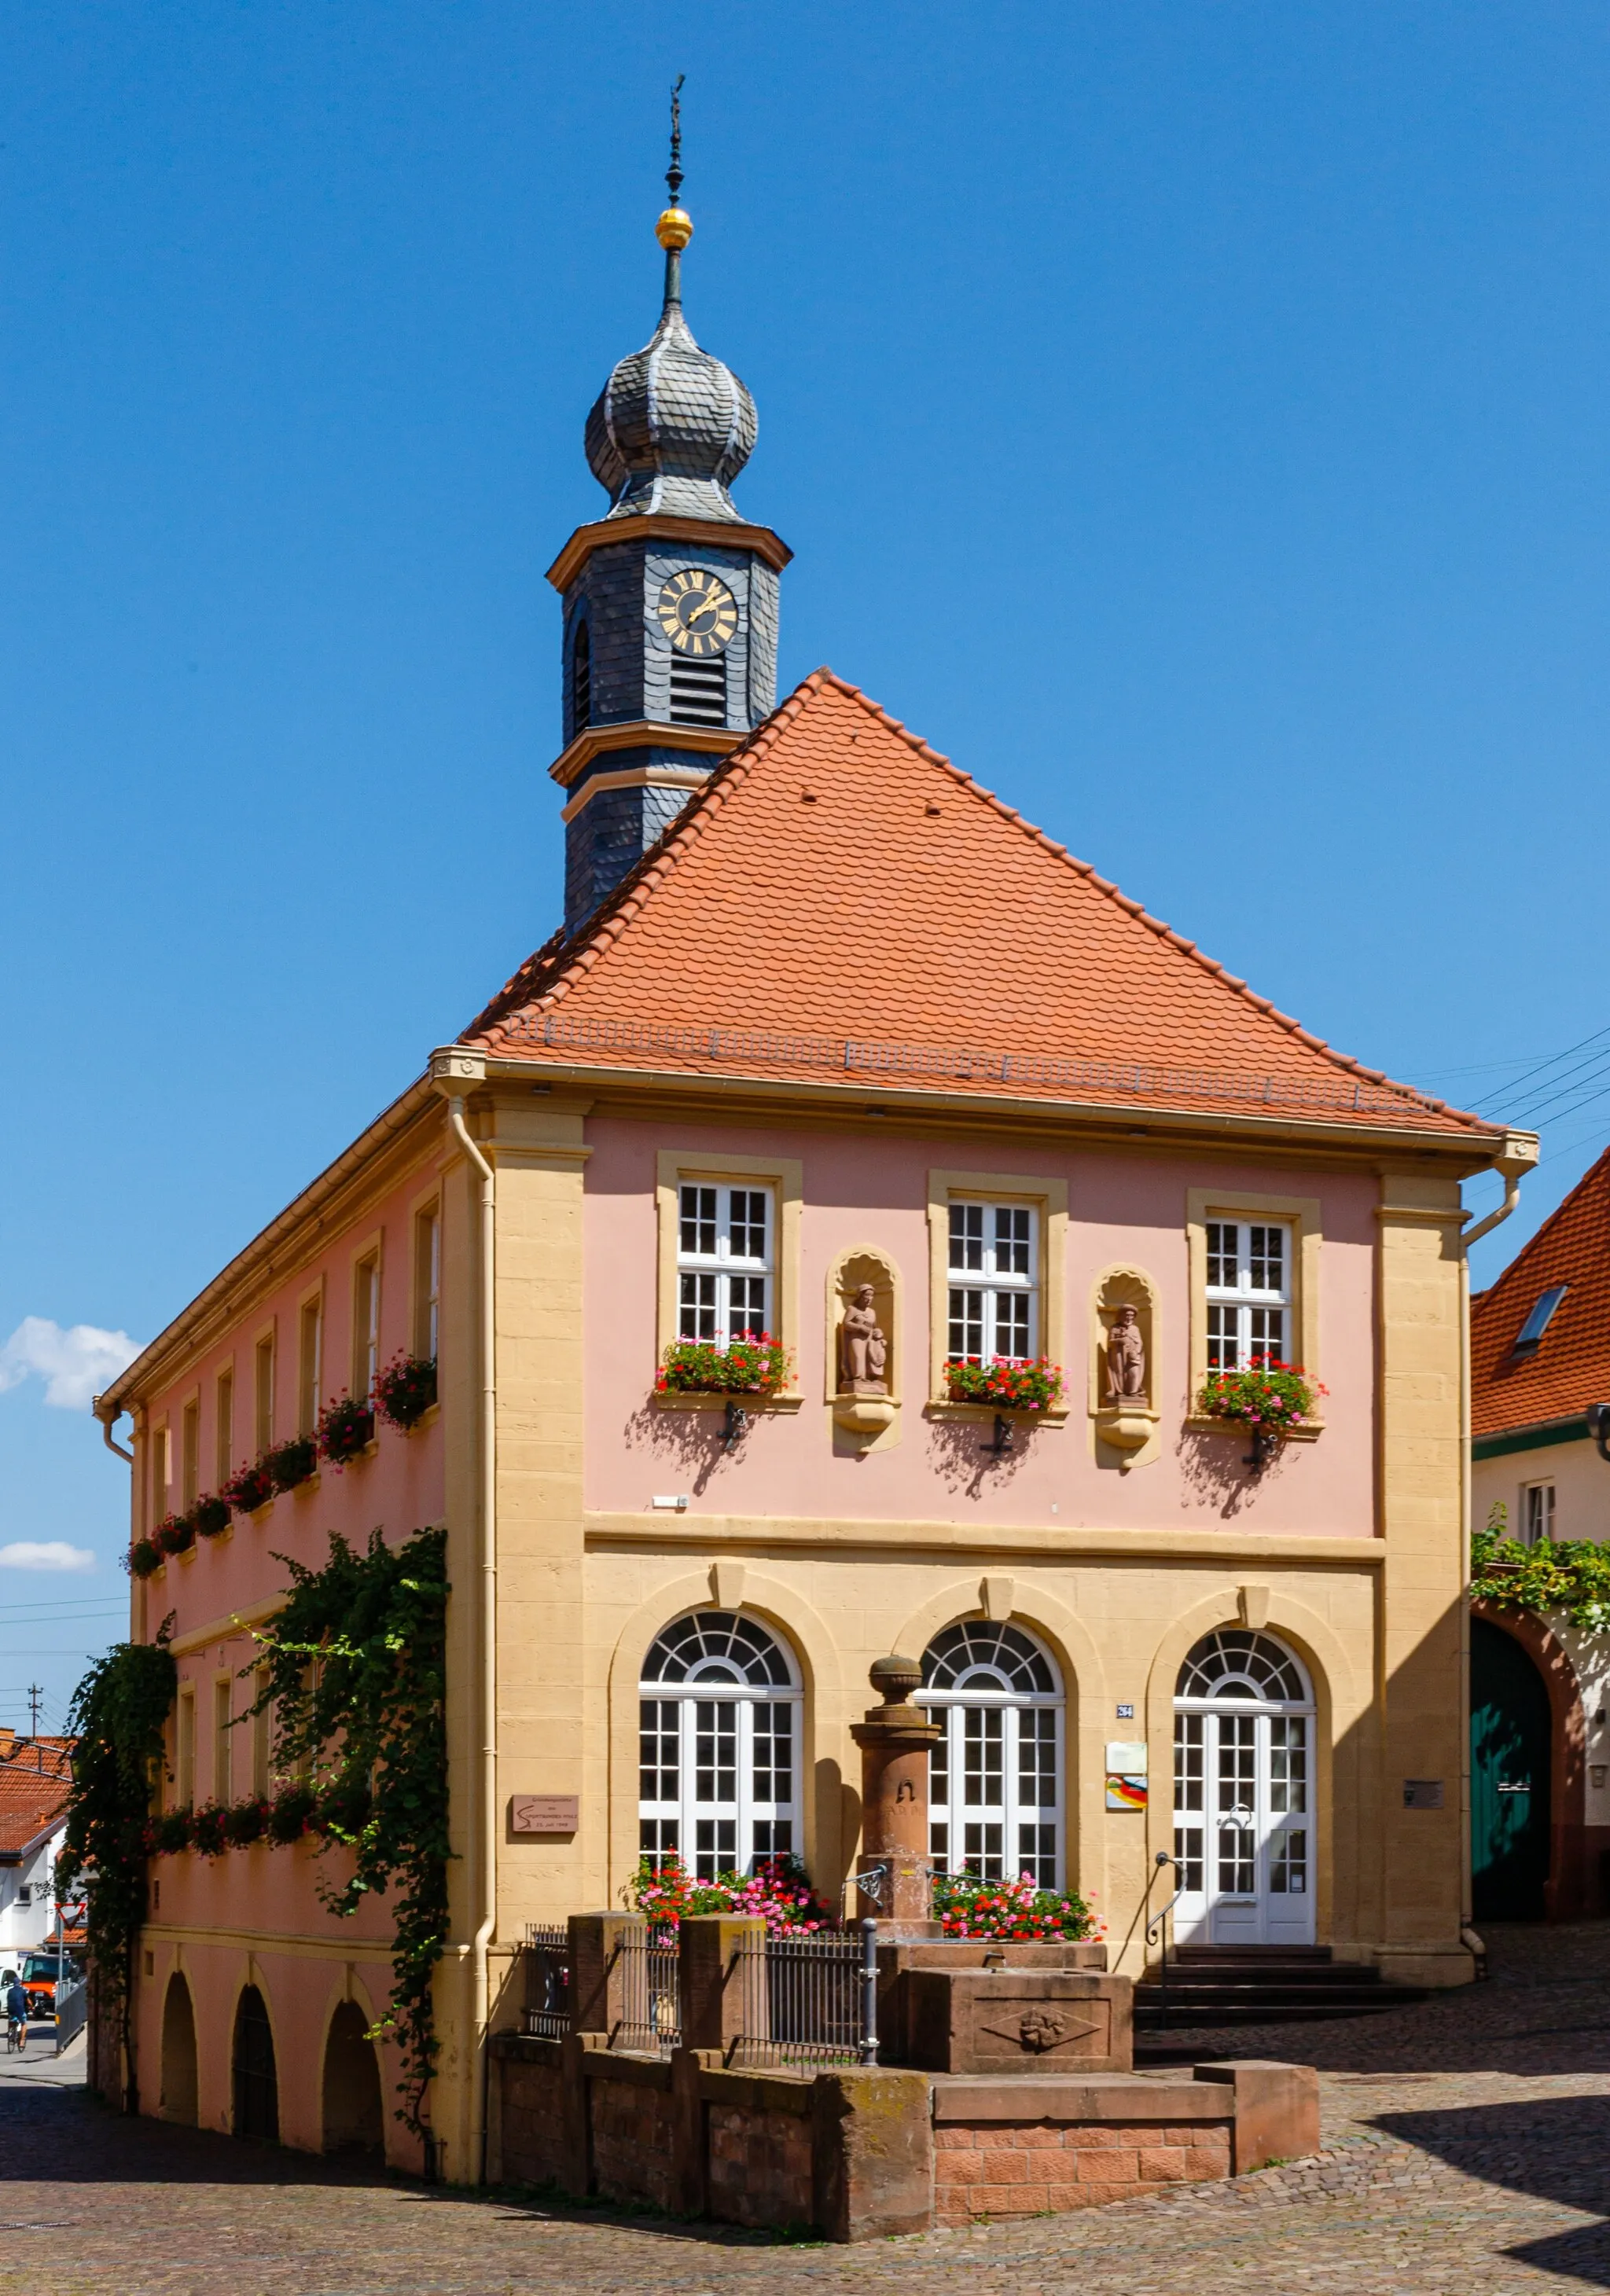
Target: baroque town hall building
(753, 1083)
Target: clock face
(698, 613)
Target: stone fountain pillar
(895, 1740)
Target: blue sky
(1191, 419)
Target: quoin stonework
(835, 1047)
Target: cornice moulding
(659, 525)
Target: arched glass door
(995, 1777)
(719, 1745)
(1244, 1825)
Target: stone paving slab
(1445, 2169)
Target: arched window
(581, 679)
(995, 1777)
(719, 1738)
(1244, 1723)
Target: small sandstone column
(895, 1740)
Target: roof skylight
(1531, 1331)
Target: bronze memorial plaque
(543, 1813)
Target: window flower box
(1271, 1401)
(406, 1389)
(346, 1429)
(144, 1558)
(291, 1462)
(1002, 1384)
(1265, 1394)
(752, 1365)
(250, 1488)
(211, 1517)
(175, 1534)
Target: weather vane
(673, 174)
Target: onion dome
(672, 427)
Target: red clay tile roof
(841, 900)
(31, 1804)
(1572, 1367)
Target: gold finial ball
(675, 228)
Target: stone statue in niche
(863, 1346)
(1126, 1358)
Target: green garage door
(1510, 1733)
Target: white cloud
(75, 1365)
(45, 1555)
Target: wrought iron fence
(808, 1998)
(72, 2010)
(547, 1949)
(651, 1991)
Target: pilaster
(1421, 1422)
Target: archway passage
(1511, 1735)
(354, 2114)
(180, 2081)
(256, 2092)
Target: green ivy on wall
(353, 1672)
(118, 1713)
(1569, 1575)
(354, 1677)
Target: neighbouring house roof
(840, 902)
(1570, 1366)
(33, 1803)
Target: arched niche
(354, 2111)
(865, 1404)
(1125, 1425)
(179, 2075)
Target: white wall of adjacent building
(27, 1904)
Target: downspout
(107, 1419)
(1514, 1164)
(452, 1070)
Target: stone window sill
(673, 1399)
(940, 1406)
(1201, 1422)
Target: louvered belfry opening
(698, 691)
(581, 680)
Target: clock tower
(671, 599)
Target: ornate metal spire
(675, 228)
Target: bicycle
(16, 2034)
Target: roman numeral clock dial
(697, 613)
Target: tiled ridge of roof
(1571, 1368)
(563, 964)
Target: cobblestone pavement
(1467, 2150)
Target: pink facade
(208, 1917)
(874, 1192)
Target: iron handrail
(1157, 1933)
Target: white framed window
(719, 1745)
(427, 1283)
(995, 1778)
(994, 1268)
(365, 1326)
(724, 1260)
(1249, 1293)
(1539, 1518)
(310, 1362)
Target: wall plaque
(543, 1813)
(1422, 1794)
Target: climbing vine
(119, 1711)
(354, 1673)
(1571, 1575)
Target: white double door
(1243, 1835)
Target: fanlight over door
(1244, 1793)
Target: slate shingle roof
(1571, 1368)
(840, 900)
